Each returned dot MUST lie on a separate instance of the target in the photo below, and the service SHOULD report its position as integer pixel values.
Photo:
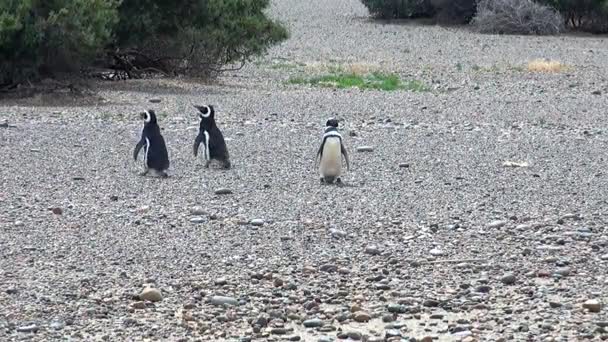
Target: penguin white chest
(146, 151)
(207, 152)
(331, 159)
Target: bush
(390, 9)
(588, 15)
(37, 37)
(517, 17)
(198, 38)
(455, 11)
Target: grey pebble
(223, 191)
(30, 328)
(223, 300)
(257, 222)
(313, 323)
(497, 224)
(508, 279)
(365, 149)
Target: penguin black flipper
(320, 152)
(138, 147)
(345, 156)
(197, 142)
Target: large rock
(151, 294)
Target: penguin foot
(226, 164)
(207, 164)
(144, 173)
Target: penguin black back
(155, 149)
(212, 137)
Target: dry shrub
(517, 17)
(545, 65)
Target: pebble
(325, 339)
(313, 323)
(30, 328)
(436, 252)
(257, 222)
(508, 279)
(337, 233)
(221, 281)
(387, 318)
(497, 224)
(222, 300)
(361, 316)
(592, 305)
(329, 268)
(154, 100)
(57, 211)
(151, 294)
(197, 219)
(372, 250)
(198, 211)
(278, 282)
(365, 149)
(564, 271)
(223, 191)
(56, 325)
(404, 165)
(430, 303)
(396, 308)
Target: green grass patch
(376, 81)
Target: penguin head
(205, 111)
(332, 123)
(149, 116)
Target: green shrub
(37, 37)
(390, 9)
(454, 11)
(200, 37)
(44, 37)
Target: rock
(325, 339)
(390, 333)
(426, 339)
(555, 304)
(592, 305)
(396, 308)
(361, 316)
(11, 290)
(198, 211)
(313, 323)
(198, 219)
(365, 149)
(257, 222)
(221, 281)
(57, 211)
(563, 271)
(352, 133)
(404, 165)
(138, 305)
(154, 100)
(329, 268)
(223, 191)
(337, 233)
(222, 300)
(436, 252)
(596, 92)
(508, 279)
(430, 303)
(387, 318)
(56, 325)
(497, 224)
(151, 294)
(372, 250)
(113, 198)
(30, 328)
(278, 331)
(354, 335)
(278, 282)
(293, 338)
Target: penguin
(330, 154)
(211, 136)
(156, 157)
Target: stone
(436, 252)
(154, 100)
(57, 211)
(223, 300)
(430, 303)
(278, 282)
(313, 323)
(361, 316)
(221, 281)
(337, 233)
(497, 224)
(223, 191)
(329, 268)
(563, 271)
(404, 165)
(138, 305)
(388, 318)
(592, 305)
(197, 219)
(365, 149)
(396, 308)
(508, 279)
(29, 328)
(56, 325)
(198, 211)
(257, 222)
(151, 294)
(372, 250)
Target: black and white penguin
(330, 154)
(156, 157)
(211, 136)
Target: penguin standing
(156, 157)
(211, 136)
(330, 153)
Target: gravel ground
(434, 238)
